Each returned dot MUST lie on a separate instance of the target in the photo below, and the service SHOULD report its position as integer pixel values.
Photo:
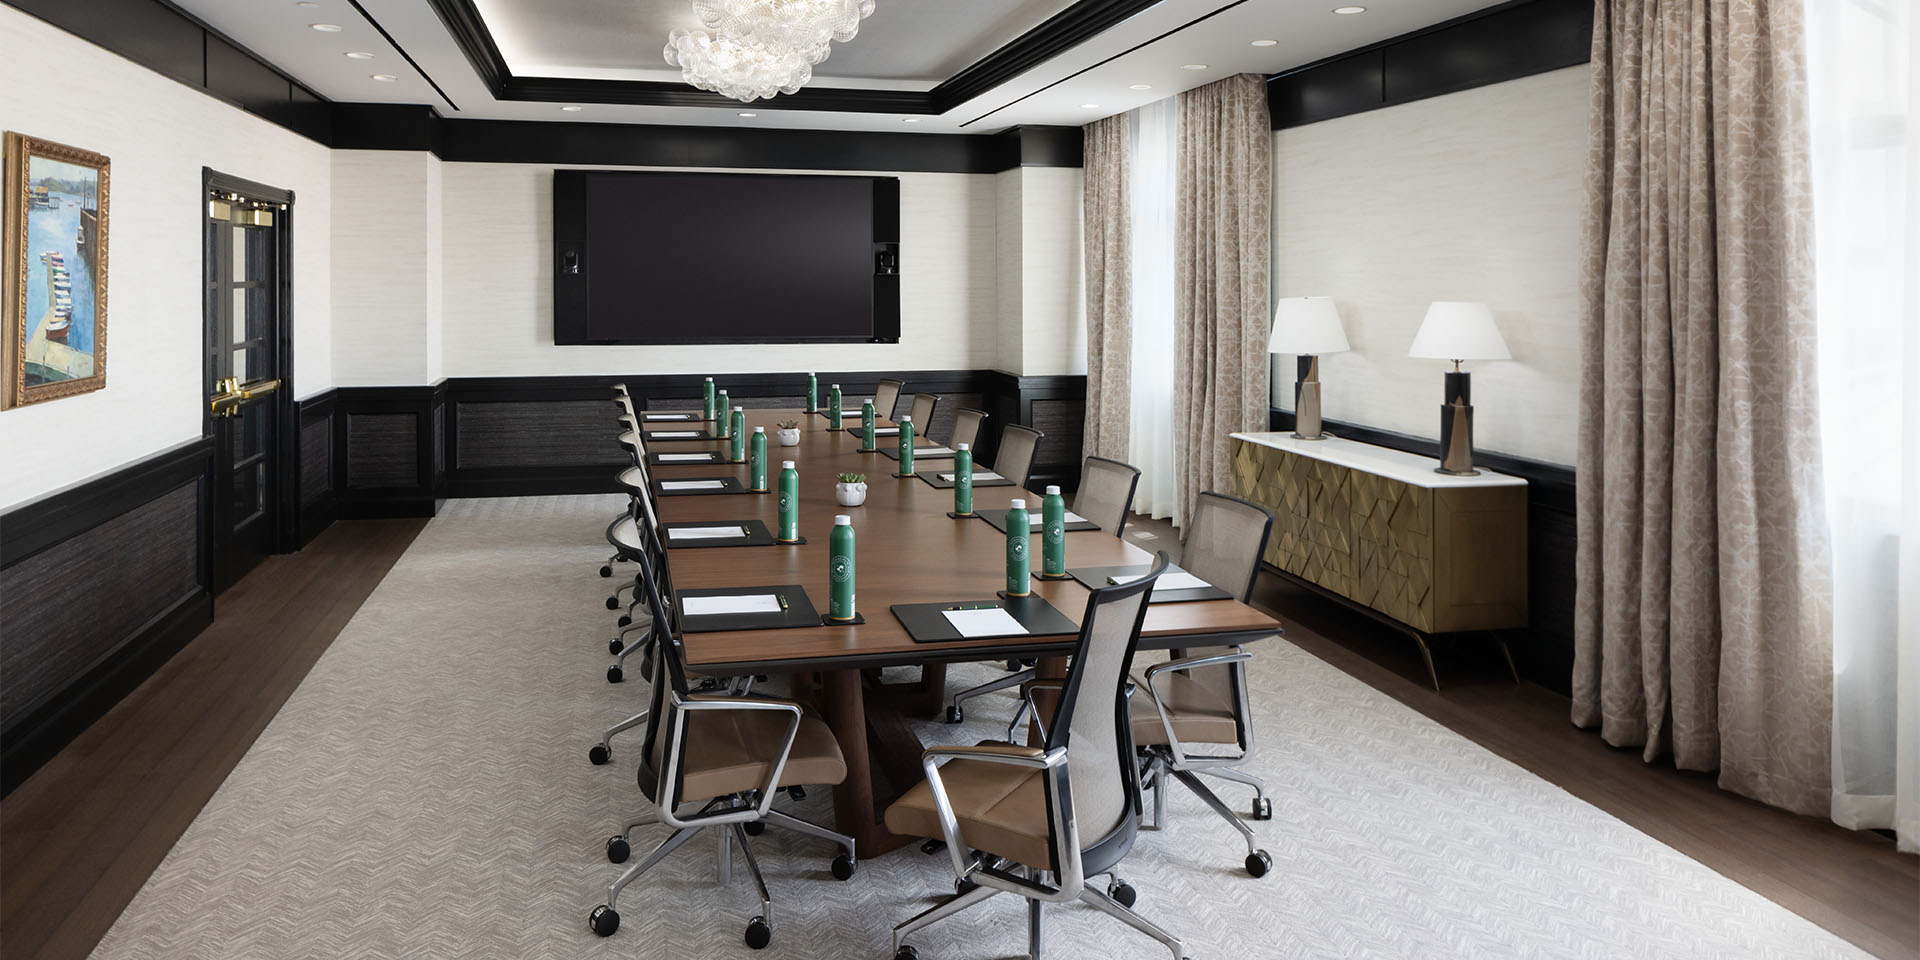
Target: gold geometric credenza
(1432, 553)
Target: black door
(246, 361)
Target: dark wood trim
(417, 499)
(63, 514)
(314, 518)
(1506, 41)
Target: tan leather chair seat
(730, 751)
(1002, 810)
(1199, 714)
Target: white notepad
(710, 606)
(669, 416)
(931, 451)
(707, 533)
(1035, 520)
(1171, 580)
(692, 484)
(886, 431)
(989, 622)
(978, 475)
(673, 434)
(665, 457)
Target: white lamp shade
(1459, 330)
(1307, 325)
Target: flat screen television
(663, 258)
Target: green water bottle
(1019, 531)
(757, 457)
(721, 428)
(840, 570)
(866, 427)
(833, 407)
(813, 393)
(906, 446)
(737, 436)
(962, 480)
(706, 410)
(789, 503)
(1053, 534)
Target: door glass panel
(258, 315)
(240, 365)
(238, 236)
(239, 296)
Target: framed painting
(55, 258)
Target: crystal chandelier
(743, 71)
(754, 49)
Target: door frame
(285, 527)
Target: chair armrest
(714, 703)
(1060, 827)
(1027, 706)
(1160, 670)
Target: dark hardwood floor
(80, 837)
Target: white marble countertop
(1408, 468)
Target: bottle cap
(906, 419)
(836, 386)
(843, 520)
(1052, 491)
(709, 379)
(786, 464)
(739, 409)
(1017, 505)
(764, 430)
(960, 446)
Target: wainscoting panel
(382, 450)
(316, 460)
(528, 433)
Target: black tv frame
(572, 260)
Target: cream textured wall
(1471, 196)
(158, 134)
(1053, 302)
(386, 265)
(497, 257)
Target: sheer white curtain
(1866, 191)
(1151, 195)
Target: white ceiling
(906, 44)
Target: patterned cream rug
(425, 794)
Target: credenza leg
(1427, 655)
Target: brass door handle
(232, 395)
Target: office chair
(886, 396)
(1199, 699)
(716, 761)
(1044, 819)
(1106, 494)
(966, 428)
(1015, 458)
(922, 413)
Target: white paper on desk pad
(706, 533)
(1035, 520)
(988, 622)
(672, 434)
(692, 484)
(885, 431)
(1171, 580)
(930, 451)
(710, 606)
(669, 416)
(978, 475)
(685, 456)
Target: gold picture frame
(54, 315)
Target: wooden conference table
(907, 551)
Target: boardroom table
(908, 550)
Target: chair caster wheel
(1262, 808)
(755, 828)
(843, 867)
(618, 850)
(1258, 863)
(1013, 666)
(615, 674)
(598, 754)
(964, 886)
(606, 571)
(1123, 893)
(758, 933)
(907, 953)
(613, 603)
(624, 621)
(604, 920)
(616, 645)
(955, 715)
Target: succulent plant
(788, 424)
(851, 478)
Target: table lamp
(1456, 330)
(1308, 326)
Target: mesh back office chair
(922, 413)
(1199, 699)
(1044, 819)
(1106, 494)
(715, 761)
(886, 396)
(1015, 459)
(966, 428)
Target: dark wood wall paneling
(104, 581)
(386, 455)
(318, 507)
(1544, 654)
(1503, 42)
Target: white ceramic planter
(850, 494)
(789, 438)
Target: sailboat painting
(55, 250)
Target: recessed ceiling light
(384, 77)
(325, 27)
(1265, 43)
(1348, 11)
(357, 55)
(1140, 86)
(571, 109)
(1193, 66)
(306, 3)
(745, 114)
(1089, 106)
(909, 119)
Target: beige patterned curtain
(1702, 613)
(1109, 282)
(1222, 247)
